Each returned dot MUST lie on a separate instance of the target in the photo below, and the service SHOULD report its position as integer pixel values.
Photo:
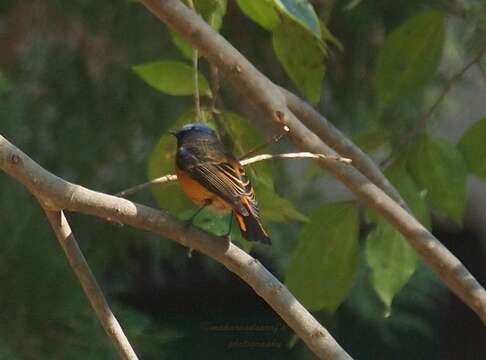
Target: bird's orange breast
(199, 194)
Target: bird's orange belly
(199, 194)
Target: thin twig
(158, 181)
(171, 178)
(91, 288)
(299, 155)
(422, 122)
(273, 140)
(195, 59)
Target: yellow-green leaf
(263, 12)
(171, 77)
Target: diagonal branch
(268, 97)
(78, 263)
(56, 193)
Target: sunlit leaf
(171, 77)
(438, 167)
(323, 266)
(410, 55)
(263, 12)
(302, 56)
(302, 12)
(473, 149)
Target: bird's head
(192, 129)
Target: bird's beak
(173, 133)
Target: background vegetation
(89, 90)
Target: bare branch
(266, 95)
(171, 178)
(93, 292)
(299, 155)
(56, 193)
(159, 181)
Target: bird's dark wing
(222, 175)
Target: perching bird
(212, 177)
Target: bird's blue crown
(195, 127)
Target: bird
(211, 177)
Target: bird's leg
(189, 221)
(227, 235)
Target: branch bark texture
(78, 263)
(56, 193)
(269, 97)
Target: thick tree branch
(266, 95)
(93, 292)
(56, 193)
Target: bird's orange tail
(252, 228)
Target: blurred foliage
(74, 96)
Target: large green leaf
(302, 12)
(391, 260)
(323, 266)
(388, 254)
(438, 167)
(473, 149)
(263, 12)
(171, 77)
(410, 55)
(302, 56)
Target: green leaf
(161, 162)
(473, 149)
(410, 56)
(372, 140)
(302, 56)
(184, 47)
(302, 12)
(388, 254)
(171, 77)
(263, 12)
(438, 167)
(244, 137)
(323, 266)
(212, 11)
(391, 260)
